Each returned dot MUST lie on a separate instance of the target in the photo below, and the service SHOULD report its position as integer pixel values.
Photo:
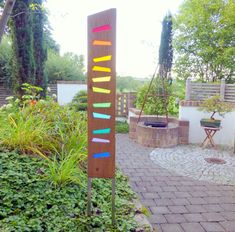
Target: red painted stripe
(101, 28)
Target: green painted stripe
(102, 105)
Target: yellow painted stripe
(102, 43)
(101, 69)
(102, 58)
(101, 79)
(100, 90)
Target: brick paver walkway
(176, 203)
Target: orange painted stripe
(102, 43)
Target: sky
(138, 29)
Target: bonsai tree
(214, 105)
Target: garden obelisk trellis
(101, 99)
(163, 70)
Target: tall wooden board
(101, 94)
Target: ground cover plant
(30, 202)
(43, 171)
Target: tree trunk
(5, 16)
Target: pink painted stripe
(101, 28)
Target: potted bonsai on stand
(214, 105)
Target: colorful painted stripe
(101, 79)
(101, 28)
(101, 131)
(101, 116)
(102, 58)
(100, 90)
(102, 105)
(98, 140)
(102, 43)
(101, 69)
(101, 155)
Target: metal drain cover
(213, 160)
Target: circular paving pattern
(198, 163)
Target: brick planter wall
(176, 133)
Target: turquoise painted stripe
(101, 131)
(101, 116)
(101, 155)
(102, 105)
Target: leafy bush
(154, 103)
(30, 203)
(122, 127)
(79, 102)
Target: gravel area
(191, 161)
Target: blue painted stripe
(101, 155)
(102, 116)
(101, 131)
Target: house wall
(66, 91)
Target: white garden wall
(66, 91)
(196, 134)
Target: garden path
(176, 203)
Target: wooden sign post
(101, 99)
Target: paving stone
(182, 194)
(212, 227)
(171, 228)
(164, 202)
(229, 215)
(148, 202)
(177, 209)
(196, 200)
(229, 226)
(228, 207)
(192, 227)
(213, 217)
(157, 219)
(196, 208)
(214, 208)
(169, 189)
(175, 218)
(194, 217)
(159, 210)
(150, 195)
(166, 195)
(180, 201)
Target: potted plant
(214, 105)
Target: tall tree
(38, 43)
(24, 65)
(166, 50)
(9, 4)
(205, 39)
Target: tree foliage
(5, 60)
(205, 39)
(67, 67)
(24, 65)
(40, 53)
(129, 84)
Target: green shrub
(155, 100)
(122, 127)
(79, 102)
